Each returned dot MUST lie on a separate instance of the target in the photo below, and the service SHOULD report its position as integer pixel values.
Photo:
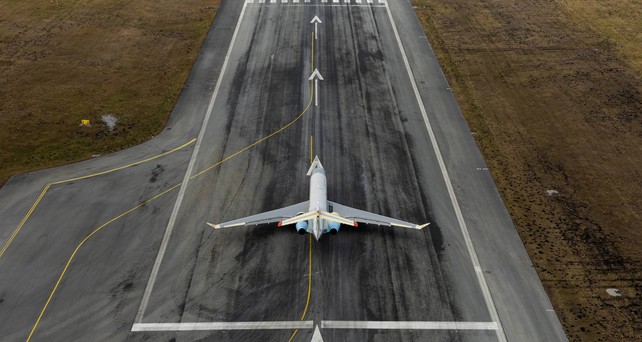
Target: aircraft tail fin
(316, 164)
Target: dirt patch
(552, 90)
(64, 61)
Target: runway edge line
(181, 192)
(490, 304)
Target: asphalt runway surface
(116, 248)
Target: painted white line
(501, 336)
(316, 21)
(316, 92)
(183, 187)
(409, 325)
(208, 326)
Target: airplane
(322, 216)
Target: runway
(124, 253)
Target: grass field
(62, 61)
(552, 91)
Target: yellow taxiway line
(48, 185)
(42, 312)
(307, 302)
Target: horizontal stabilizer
(303, 217)
(264, 218)
(371, 218)
(334, 217)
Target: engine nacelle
(302, 227)
(333, 227)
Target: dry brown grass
(552, 89)
(63, 61)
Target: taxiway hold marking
(501, 336)
(409, 325)
(208, 326)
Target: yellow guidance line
(271, 134)
(128, 165)
(71, 258)
(307, 302)
(48, 185)
(158, 196)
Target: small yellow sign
(84, 122)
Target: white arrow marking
(316, 337)
(316, 21)
(316, 76)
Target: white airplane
(322, 216)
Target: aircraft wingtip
(215, 226)
(423, 226)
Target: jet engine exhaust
(302, 227)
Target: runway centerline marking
(490, 305)
(18, 228)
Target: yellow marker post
(84, 122)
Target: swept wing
(266, 217)
(370, 218)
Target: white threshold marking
(209, 326)
(490, 305)
(290, 325)
(181, 193)
(409, 325)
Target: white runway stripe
(207, 326)
(409, 325)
